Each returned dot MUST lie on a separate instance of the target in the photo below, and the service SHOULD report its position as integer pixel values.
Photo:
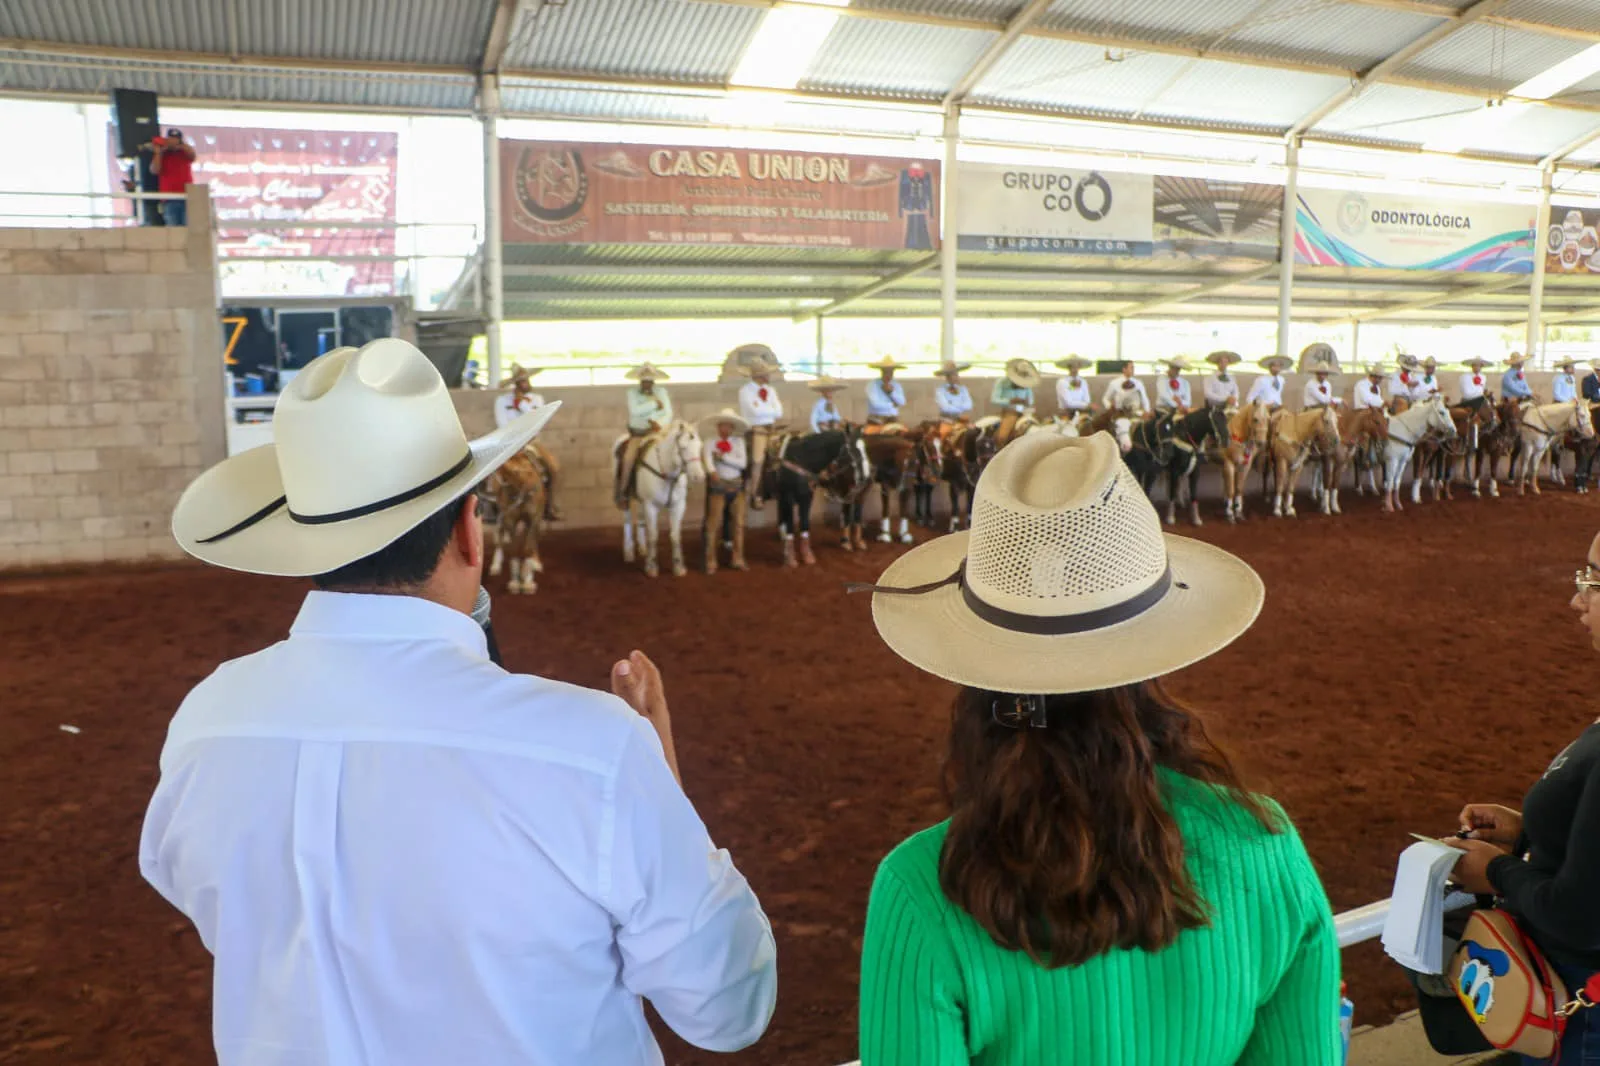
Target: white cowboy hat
(1568, 363)
(1022, 373)
(1409, 362)
(1065, 582)
(1480, 362)
(1276, 360)
(1074, 362)
(1321, 367)
(520, 372)
(1430, 361)
(886, 363)
(1177, 362)
(1224, 359)
(740, 423)
(952, 367)
(1377, 369)
(366, 445)
(825, 384)
(647, 371)
(762, 366)
(1516, 359)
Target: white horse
(668, 463)
(1541, 427)
(1405, 430)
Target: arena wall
(111, 388)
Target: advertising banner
(1206, 218)
(1413, 233)
(1572, 243)
(1045, 209)
(560, 192)
(310, 176)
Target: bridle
(1165, 427)
(828, 475)
(675, 436)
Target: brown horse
(1362, 432)
(1502, 440)
(518, 490)
(891, 454)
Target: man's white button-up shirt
(400, 854)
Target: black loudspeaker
(134, 112)
(1108, 366)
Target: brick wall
(111, 388)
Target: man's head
(886, 374)
(441, 559)
(647, 385)
(761, 375)
(1127, 368)
(175, 136)
(1322, 375)
(725, 429)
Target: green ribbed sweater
(1259, 986)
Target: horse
(1362, 432)
(668, 463)
(1501, 440)
(518, 490)
(1437, 458)
(966, 453)
(834, 461)
(1541, 425)
(927, 466)
(1292, 439)
(891, 455)
(1192, 434)
(1405, 430)
(1154, 444)
(1246, 442)
(1583, 449)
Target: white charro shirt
(954, 401)
(647, 407)
(1169, 395)
(1133, 399)
(401, 855)
(1367, 394)
(1401, 383)
(1266, 389)
(1072, 394)
(1563, 388)
(883, 403)
(824, 413)
(508, 406)
(1424, 386)
(760, 404)
(729, 464)
(1220, 393)
(1318, 394)
(1472, 384)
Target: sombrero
(1276, 361)
(1064, 583)
(1022, 373)
(710, 422)
(947, 368)
(366, 445)
(886, 363)
(1321, 367)
(1480, 362)
(1224, 359)
(1074, 362)
(1177, 362)
(825, 384)
(1516, 359)
(646, 372)
(1409, 362)
(1568, 363)
(1377, 369)
(520, 372)
(1431, 361)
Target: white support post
(1535, 337)
(1119, 341)
(821, 361)
(1291, 204)
(947, 236)
(1355, 343)
(493, 262)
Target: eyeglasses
(1585, 581)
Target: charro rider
(1268, 388)
(1564, 386)
(1172, 391)
(1126, 394)
(1514, 383)
(1474, 382)
(955, 402)
(885, 396)
(1318, 392)
(1369, 393)
(762, 409)
(1428, 385)
(508, 406)
(1013, 394)
(1402, 382)
(825, 413)
(649, 411)
(726, 460)
(1072, 391)
(1222, 388)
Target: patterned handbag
(1510, 990)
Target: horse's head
(1218, 421)
(1329, 424)
(1585, 421)
(1260, 423)
(685, 443)
(1438, 418)
(1122, 429)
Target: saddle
(988, 423)
(627, 479)
(885, 429)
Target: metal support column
(1536, 289)
(1119, 340)
(1355, 344)
(1291, 204)
(947, 236)
(493, 261)
(822, 365)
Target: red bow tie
(724, 445)
(1323, 388)
(1519, 375)
(1405, 377)
(1173, 382)
(1477, 379)
(763, 394)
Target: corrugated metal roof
(1227, 92)
(1543, 130)
(1159, 21)
(414, 31)
(981, 10)
(1490, 57)
(1396, 113)
(677, 39)
(1349, 35)
(1055, 73)
(1573, 14)
(917, 62)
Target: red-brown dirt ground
(1403, 665)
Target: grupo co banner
(316, 177)
(1413, 233)
(1045, 209)
(1209, 218)
(1572, 241)
(651, 194)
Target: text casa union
(761, 166)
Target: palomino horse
(834, 461)
(519, 495)
(1293, 438)
(1584, 451)
(1405, 430)
(1362, 432)
(668, 462)
(1541, 425)
(1247, 442)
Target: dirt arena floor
(1403, 665)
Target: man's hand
(1492, 823)
(1472, 871)
(637, 681)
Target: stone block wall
(111, 387)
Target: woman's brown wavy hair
(1059, 843)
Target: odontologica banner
(1374, 230)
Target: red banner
(557, 192)
(310, 176)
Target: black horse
(835, 462)
(1193, 436)
(1154, 448)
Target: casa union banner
(1002, 208)
(1379, 231)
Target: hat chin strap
(344, 516)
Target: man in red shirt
(174, 163)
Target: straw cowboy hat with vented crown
(1065, 582)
